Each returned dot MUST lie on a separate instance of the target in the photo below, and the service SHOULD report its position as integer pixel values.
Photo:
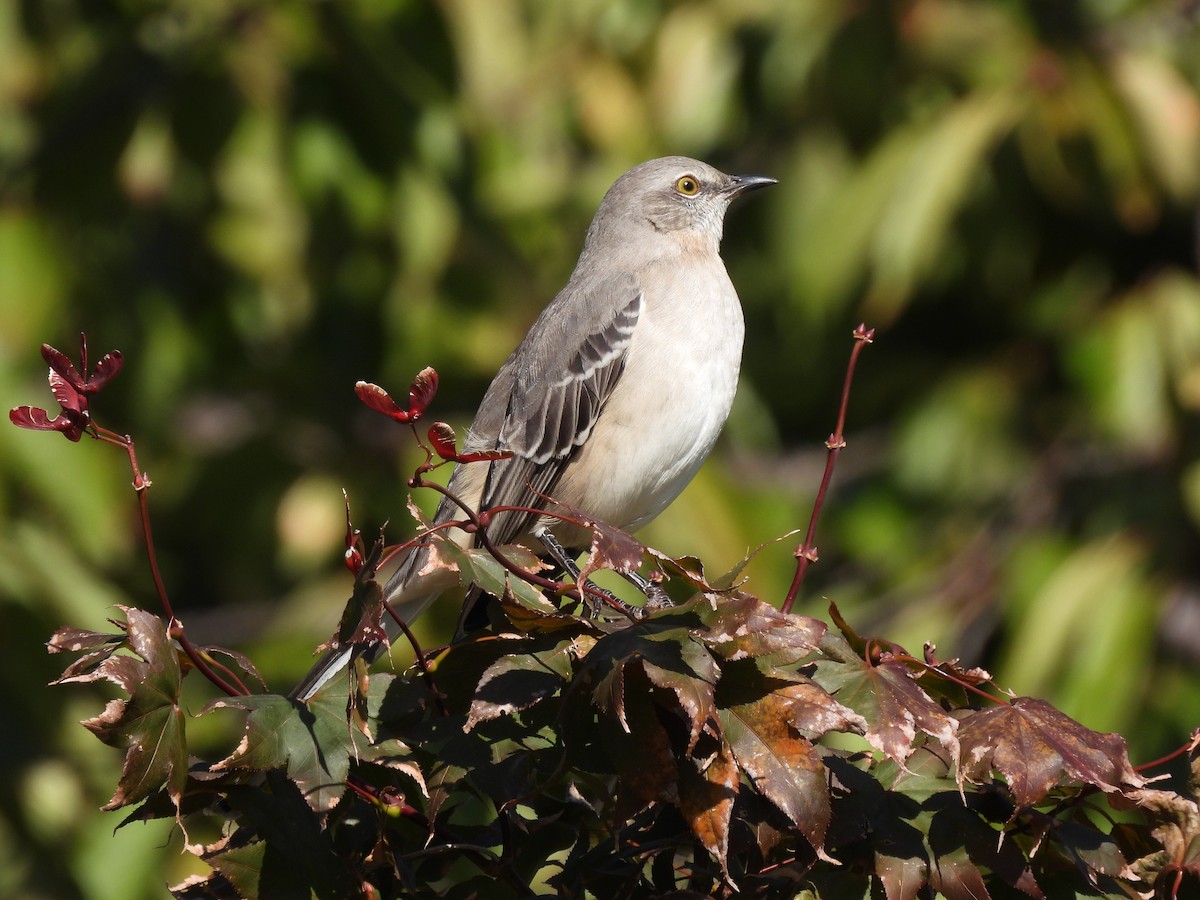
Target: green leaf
(312, 742)
(519, 680)
(887, 696)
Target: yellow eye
(688, 185)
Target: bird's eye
(688, 185)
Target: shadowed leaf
(518, 680)
(311, 741)
(706, 794)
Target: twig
(807, 552)
(141, 485)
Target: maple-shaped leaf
(612, 549)
(519, 680)
(150, 725)
(311, 741)
(289, 855)
(760, 721)
(887, 696)
(708, 785)
(641, 752)
(1176, 827)
(1035, 748)
(742, 626)
(669, 657)
(96, 646)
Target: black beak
(743, 184)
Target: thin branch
(806, 553)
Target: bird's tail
(416, 583)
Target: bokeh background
(261, 203)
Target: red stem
(141, 484)
(806, 553)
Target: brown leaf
(901, 877)
(706, 793)
(742, 626)
(612, 548)
(1034, 747)
(782, 765)
(956, 878)
(647, 771)
(1176, 826)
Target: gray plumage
(620, 388)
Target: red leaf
(441, 436)
(31, 417)
(108, 367)
(58, 362)
(421, 392)
(380, 400)
(36, 419)
(64, 392)
(1035, 748)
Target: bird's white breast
(673, 398)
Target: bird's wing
(560, 378)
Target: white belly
(667, 410)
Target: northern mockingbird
(619, 390)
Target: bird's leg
(655, 596)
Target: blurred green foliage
(260, 203)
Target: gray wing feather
(557, 383)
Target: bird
(617, 393)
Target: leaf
(518, 681)
(1034, 747)
(642, 755)
(362, 618)
(743, 626)
(149, 726)
(901, 876)
(1176, 827)
(670, 659)
(955, 877)
(422, 391)
(293, 856)
(612, 548)
(311, 741)
(782, 765)
(381, 401)
(887, 696)
(706, 793)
